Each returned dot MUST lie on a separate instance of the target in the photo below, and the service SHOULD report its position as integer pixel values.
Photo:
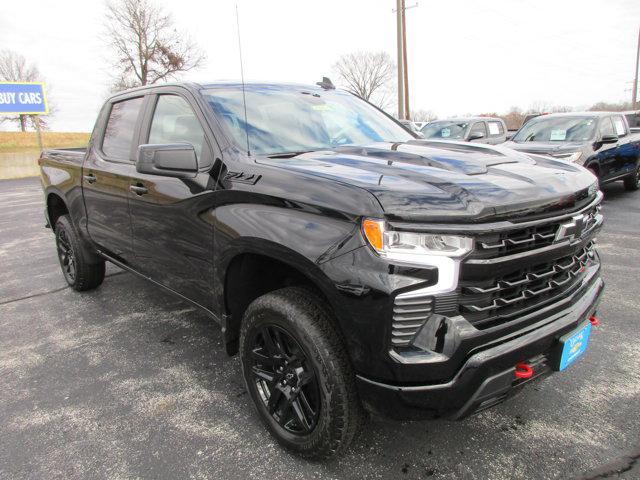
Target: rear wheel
(298, 374)
(79, 272)
(632, 182)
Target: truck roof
(221, 83)
(237, 83)
(581, 114)
(465, 119)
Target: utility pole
(400, 30)
(634, 96)
(405, 65)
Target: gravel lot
(127, 382)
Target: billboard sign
(23, 98)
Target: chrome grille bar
(558, 275)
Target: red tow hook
(594, 321)
(523, 370)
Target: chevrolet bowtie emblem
(573, 229)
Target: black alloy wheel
(81, 268)
(298, 373)
(285, 380)
(66, 256)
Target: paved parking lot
(127, 382)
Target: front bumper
(486, 378)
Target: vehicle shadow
(175, 364)
(613, 191)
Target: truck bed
(61, 174)
(68, 153)
(64, 158)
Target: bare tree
(541, 106)
(423, 115)
(367, 74)
(14, 68)
(611, 107)
(514, 118)
(148, 49)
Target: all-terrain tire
(300, 316)
(81, 272)
(632, 182)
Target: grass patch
(28, 141)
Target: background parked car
(472, 129)
(601, 141)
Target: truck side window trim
(125, 158)
(205, 156)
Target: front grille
(499, 244)
(409, 315)
(498, 300)
(514, 271)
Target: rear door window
(618, 124)
(495, 128)
(121, 129)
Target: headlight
(408, 246)
(570, 157)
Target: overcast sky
(467, 56)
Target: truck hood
(543, 148)
(425, 180)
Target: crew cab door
(106, 177)
(171, 217)
(606, 153)
(626, 153)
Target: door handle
(91, 178)
(138, 190)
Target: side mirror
(475, 136)
(170, 160)
(609, 138)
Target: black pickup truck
(350, 264)
(600, 141)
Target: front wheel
(632, 182)
(298, 374)
(80, 273)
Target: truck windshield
(282, 119)
(557, 129)
(445, 129)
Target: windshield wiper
(288, 154)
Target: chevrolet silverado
(353, 267)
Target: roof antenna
(326, 83)
(244, 98)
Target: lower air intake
(409, 315)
